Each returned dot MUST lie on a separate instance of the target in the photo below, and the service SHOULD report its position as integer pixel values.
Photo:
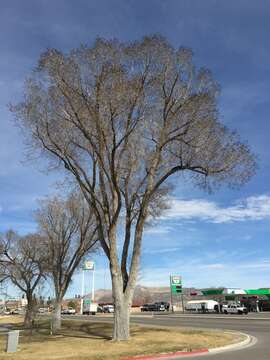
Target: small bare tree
(123, 119)
(22, 261)
(70, 232)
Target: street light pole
(82, 293)
(171, 293)
(93, 285)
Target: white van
(202, 305)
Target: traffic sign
(175, 280)
(89, 265)
(176, 284)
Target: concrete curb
(248, 341)
(167, 356)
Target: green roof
(258, 292)
(213, 291)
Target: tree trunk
(121, 320)
(123, 290)
(29, 315)
(30, 311)
(56, 315)
(122, 304)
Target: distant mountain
(142, 295)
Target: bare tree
(22, 263)
(122, 119)
(70, 232)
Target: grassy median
(81, 340)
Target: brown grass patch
(11, 319)
(81, 340)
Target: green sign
(176, 284)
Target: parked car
(18, 311)
(43, 310)
(145, 307)
(68, 311)
(149, 307)
(100, 309)
(162, 306)
(234, 309)
(108, 308)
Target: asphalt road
(257, 325)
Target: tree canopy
(122, 119)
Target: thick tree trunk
(123, 288)
(56, 316)
(121, 320)
(29, 315)
(122, 305)
(30, 310)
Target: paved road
(257, 325)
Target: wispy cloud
(252, 208)
(158, 230)
(162, 250)
(213, 266)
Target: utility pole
(82, 293)
(171, 293)
(93, 284)
(182, 299)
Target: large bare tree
(123, 119)
(22, 261)
(70, 232)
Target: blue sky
(218, 239)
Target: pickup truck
(234, 309)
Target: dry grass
(81, 340)
(11, 319)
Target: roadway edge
(248, 341)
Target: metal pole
(93, 285)
(182, 298)
(82, 293)
(171, 293)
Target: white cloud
(213, 266)
(252, 208)
(157, 230)
(162, 250)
